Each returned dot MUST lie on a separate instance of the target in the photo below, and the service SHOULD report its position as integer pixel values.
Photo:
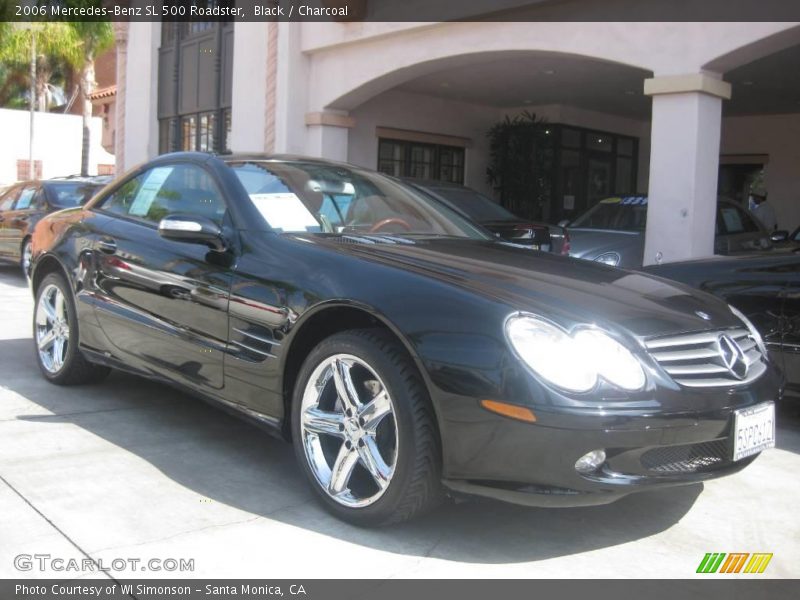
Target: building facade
(683, 112)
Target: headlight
(609, 258)
(753, 331)
(573, 362)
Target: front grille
(695, 359)
(690, 458)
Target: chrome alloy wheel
(349, 430)
(52, 328)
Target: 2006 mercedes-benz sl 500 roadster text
(405, 351)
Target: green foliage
(94, 37)
(521, 163)
(62, 50)
(54, 41)
(57, 50)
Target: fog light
(589, 463)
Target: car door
(7, 203)
(164, 304)
(17, 220)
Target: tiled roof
(106, 92)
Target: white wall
(778, 136)
(57, 143)
(403, 110)
(416, 112)
(357, 61)
(141, 89)
(248, 126)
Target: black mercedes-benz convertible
(404, 350)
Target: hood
(566, 290)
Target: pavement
(131, 470)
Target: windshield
(626, 214)
(306, 197)
(72, 193)
(476, 206)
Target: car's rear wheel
(364, 431)
(55, 335)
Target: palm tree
(55, 48)
(92, 38)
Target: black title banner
(399, 10)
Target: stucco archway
(755, 49)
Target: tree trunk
(43, 75)
(87, 87)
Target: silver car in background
(612, 231)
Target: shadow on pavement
(232, 462)
(11, 275)
(788, 419)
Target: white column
(121, 36)
(249, 87)
(684, 166)
(141, 96)
(327, 135)
(291, 93)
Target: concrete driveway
(129, 469)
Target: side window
(162, 191)
(750, 226)
(735, 220)
(119, 202)
(25, 198)
(39, 200)
(7, 201)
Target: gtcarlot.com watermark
(48, 562)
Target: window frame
(405, 163)
(24, 188)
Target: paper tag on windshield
(284, 211)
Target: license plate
(753, 430)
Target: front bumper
(646, 448)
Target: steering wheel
(390, 221)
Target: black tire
(415, 486)
(76, 369)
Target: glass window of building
(402, 158)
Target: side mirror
(193, 230)
(779, 236)
(563, 222)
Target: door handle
(107, 246)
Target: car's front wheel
(55, 334)
(364, 431)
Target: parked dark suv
(22, 206)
